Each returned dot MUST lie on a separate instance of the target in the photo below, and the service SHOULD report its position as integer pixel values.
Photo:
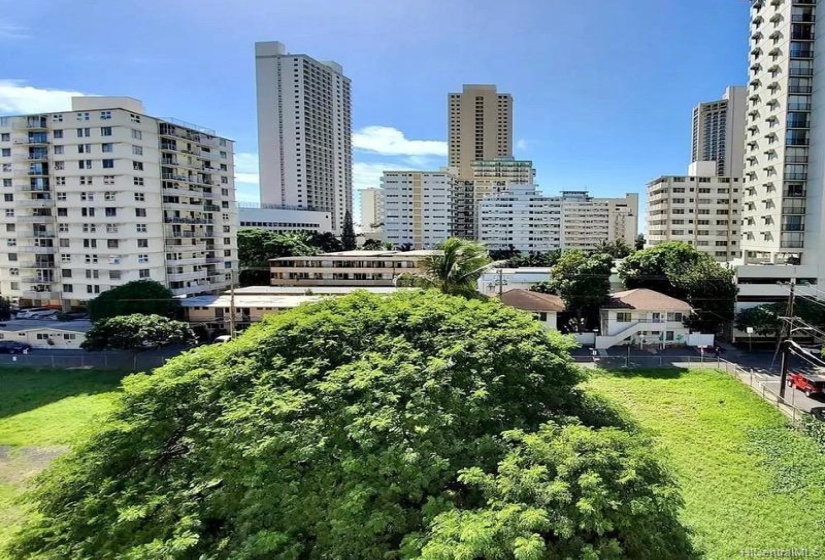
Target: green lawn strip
(748, 480)
(41, 412)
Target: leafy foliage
(5, 309)
(582, 281)
(544, 287)
(765, 319)
(257, 246)
(348, 241)
(455, 270)
(617, 249)
(137, 332)
(145, 297)
(356, 427)
(325, 242)
(639, 242)
(376, 245)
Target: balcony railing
(175, 220)
(35, 203)
(800, 89)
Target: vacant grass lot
(40, 413)
(748, 480)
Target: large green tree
(583, 282)
(5, 309)
(348, 241)
(257, 246)
(766, 319)
(617, 249)
(145, 297)
(137, 332)
(454, 270)
(361, 427)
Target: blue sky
(603, 90)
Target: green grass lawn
(40, 413)
(748, 480)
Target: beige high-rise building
(372, 209)
(719, 132)
(417, 207)
(480, 127)
(104, 194)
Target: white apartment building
(719, 132)
(276, 218)
(372, 209)
(104, 194)
(784, 176)
(417, 207)
(523, 217)
(702, 210)
(480, 127)
(304, 132)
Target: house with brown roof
(545, 307)
(643, 317)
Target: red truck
(809, 384)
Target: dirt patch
(18, 464)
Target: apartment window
(85, 180)
(90, 243)
(224, 180)
(60, 181)
(91, 259)
(63, 228)
(87, 196)
(5, 137)
(108, 196)
(134, 118)
(14, 272)
(143, 243)
(624, 317)
(140, 197)
(93, 289)
(107, 148)
(6, 168)
(112, 243)
(137, 135)
(87, 212)
(143, 273)
(64, 258)
(143, 259)
(111, 228)
(62, 212)
(108, 179)
(9, 212)
(92, 274)
(6, 152)
(6, 182)
(84, 116)
(140, 212)
(89, 228)
(137, 150)
(108, 163)
(10, 228)
(138, 181)
(84, 148)
(11, 242)
(114, 275)
(84, 164)
(111, 212)
(64, 243)
(84, 132)
(58, 150)
(141, 228)
(137, 166)
(68, 288)
(674, 317)
(105, 130)
(58, 134)
(8, 197)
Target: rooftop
(20, 325)
(315, 290)
(642, 298)
(532, 301)
(342, 255)
(259, 301)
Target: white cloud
(389, 141)
(368, 175)
(13, 32)
(246, 168)
(18, 98)
(521, 145)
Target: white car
(37, 313)
(222, 338)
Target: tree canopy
(144, 297)
(348, 241)
(765, 319)
(583, 282)
(257, 246)
(413, 426)
(137, 332)
(5, 309)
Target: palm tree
(455, 270)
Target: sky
(603, 90)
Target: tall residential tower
(480, 127)
(304, 132)
(718, 132)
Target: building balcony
(211, 208)
(35, 219)
(213, 260)
(183, 191)
(38, 294)
(185, 262)
(32, 123)
(201, 221)
(38, 250)
(184, 276)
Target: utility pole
(500, 282)
(232, 306)
(787, 332)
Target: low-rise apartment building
(347, 268)
(283, 219)
(701, 209)
(104, 194)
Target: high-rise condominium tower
(718, 132)
(480, 127)
(784, 172)
(104, 194)
(304, 132)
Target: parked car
(222, 338)
(36, 313)
(809, 384)
(11, 347)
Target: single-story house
(545, 307)
(45, 334)
(643, 317)
(215, 310)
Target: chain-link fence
(647, 362)
(123, 361)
